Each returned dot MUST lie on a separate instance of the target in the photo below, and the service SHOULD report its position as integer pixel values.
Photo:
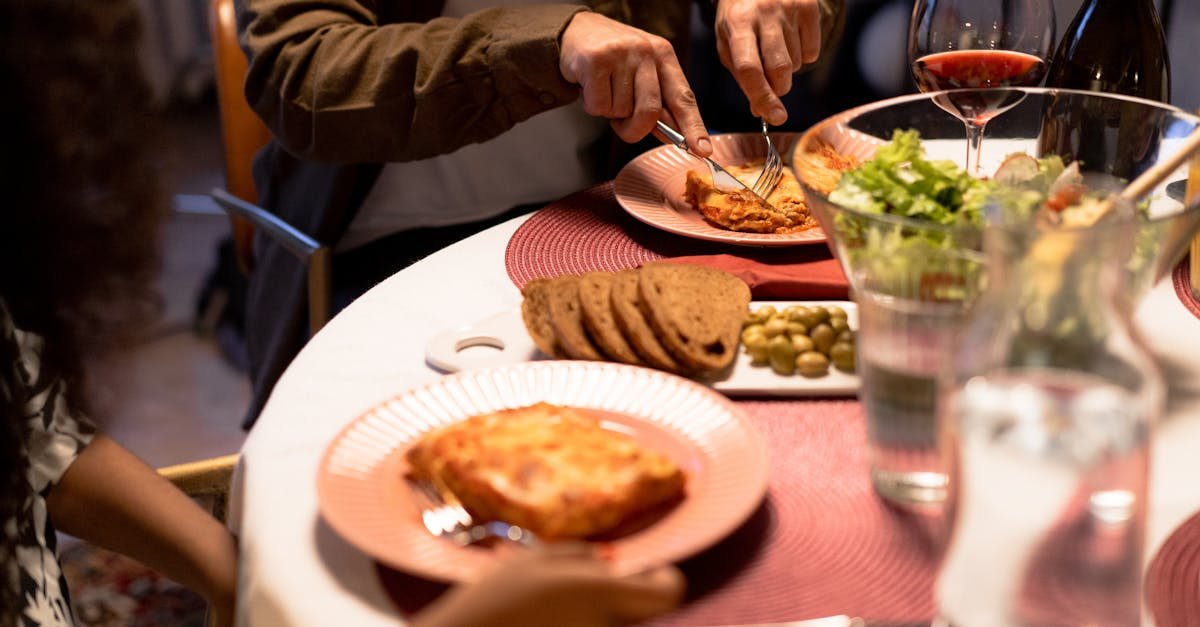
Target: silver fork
(772, 168)
(445, 517)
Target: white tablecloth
(296, 571)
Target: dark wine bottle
(1112, 46)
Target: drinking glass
(1046, 414)
(955, 44)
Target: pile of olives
(804, 339)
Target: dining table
(820, 543)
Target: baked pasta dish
(550, 469)
(743, 211)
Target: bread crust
(535, 313)
(695, 311)
(628, 314)
(565, 317)
(595, 301)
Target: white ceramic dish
(501, 339)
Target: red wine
(977, 68)
(1114, 46)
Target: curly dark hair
(80, 207)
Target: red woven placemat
(1173, 578)
(588, 231)
(1182, 279)
(822, 543)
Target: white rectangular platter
(501, 339)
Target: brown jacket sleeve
(334, 85)
(833, 22)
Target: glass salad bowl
(926, 251)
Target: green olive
(836, 312)
(758, 354)
(796, 313)
(812, 364)
(809, 317)
(781, 355)
(796, 328)
(846, 336)
(839, 325)
(766, 312)
(822, 336)
(752, 330)
(775, 327)
(755, 340)
(842, 354)
(802, 344)
(822, 314)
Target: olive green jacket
(347, 85)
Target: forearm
(334, 85)
(112, 499)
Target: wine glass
(979, 44)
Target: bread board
(502, 339)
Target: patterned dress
(56, 437)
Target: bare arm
(111, 498)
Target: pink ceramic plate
(650, 188)
(362, 495)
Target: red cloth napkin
(805, 277)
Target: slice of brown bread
(595, 302)
(535, 312)
(695, 311)
(565, 317)
(633, 325)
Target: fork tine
(772, 173)
(772, 168)
(445, 516)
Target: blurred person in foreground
(79, 238)
(402, 127)
(79, 231)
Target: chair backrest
(242, 132)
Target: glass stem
(974, 145)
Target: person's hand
(762, 43)
(630, 77)
(560, 585)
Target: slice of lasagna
(550, 469)
(743, 211)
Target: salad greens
(899, 180)
(935, 254)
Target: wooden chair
(206, 480)
(243, 134)
(209, 482)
